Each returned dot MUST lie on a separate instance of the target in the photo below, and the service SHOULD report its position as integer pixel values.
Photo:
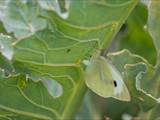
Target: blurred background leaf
(135, 37)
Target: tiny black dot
(115, 83)
(68, 50)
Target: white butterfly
(105, 80)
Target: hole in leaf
(62, 5)
(115, 83)
(54, 88)
(5, 46)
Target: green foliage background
(42, 50)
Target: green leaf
(134, 34)
(57, 52)
(28, 99)
(154, 22)
(50, 47)
(153, 28)
(21, 18)
(137, 74)
(81, 22)
(68, 76)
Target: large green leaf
(55, 54)
(135, 36)
(137, 74)
(31, 99)
(154, 21)
(51, 47)
(153, 28)
(82, 23)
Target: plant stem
(75, 100)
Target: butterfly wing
(105, 80)
(98, 77)
(120, 89)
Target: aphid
(105, 80)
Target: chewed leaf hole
(54, 88)
(115, 83)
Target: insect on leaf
(105, 80)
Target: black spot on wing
(115, 83)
